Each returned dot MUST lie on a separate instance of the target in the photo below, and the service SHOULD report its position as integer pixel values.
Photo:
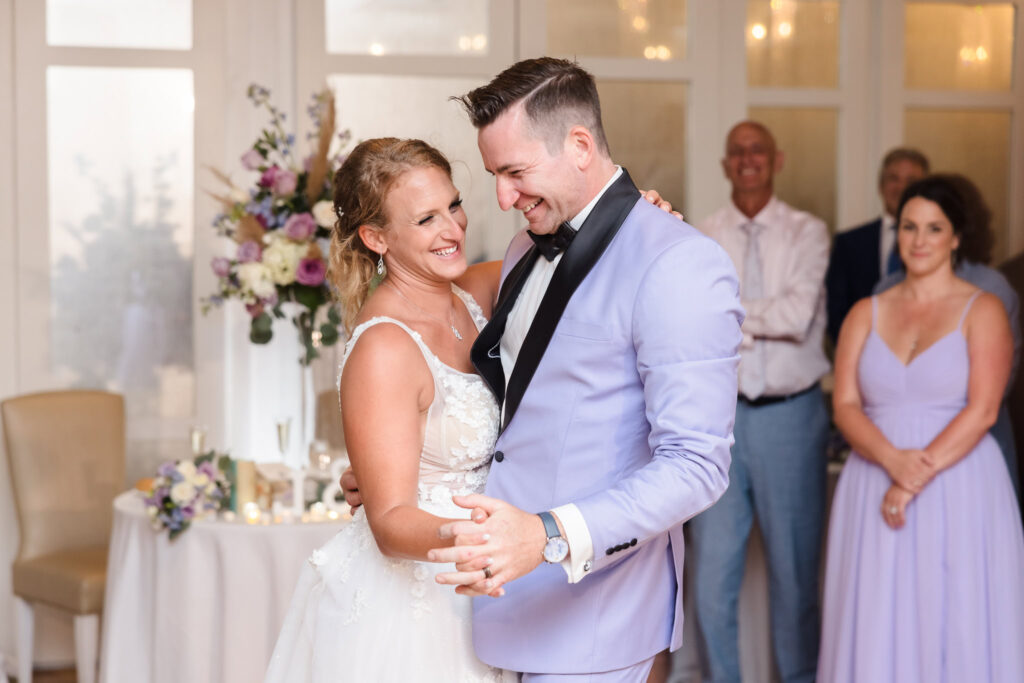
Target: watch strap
(550, 525)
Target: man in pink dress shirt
(778, 460)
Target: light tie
(752, 365)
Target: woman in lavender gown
(925, 550)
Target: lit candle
(252, 513)
(317, 511)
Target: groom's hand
(508, 541)
(350, 486)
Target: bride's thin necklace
(450, 322)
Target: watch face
(556, 549)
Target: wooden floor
(52, 676)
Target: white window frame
(32, 57)
(895, 98)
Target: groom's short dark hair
(556, 94)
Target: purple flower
(166, 469)
(300, 226)
(248, 252)
(268, 176)
(285, 182)
(311, 272)
(221, 266)
(251, 160)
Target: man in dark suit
(862, 255)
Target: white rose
(256, 278)
(200, 480)
(323, 214)
(187, 469)
(281, 258)
(182, 492)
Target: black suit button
(619, 547)
(632, 543)
(609, 551)
(498, 456)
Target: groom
(613, 352)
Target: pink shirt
(790, 316)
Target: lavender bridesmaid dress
(941, 599)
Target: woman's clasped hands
(910, 471)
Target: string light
(758, 31)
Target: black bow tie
(552, 244)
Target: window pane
(152, 24)
(807, 137)
(648, 140)
(793, 43)
(418, 107)
(974, 143)
(407, 27)
(959, 47)
(654, 29)
(120, 236)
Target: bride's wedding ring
(487, 573)
(893, 510)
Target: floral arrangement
(280, 227)
(185, 489)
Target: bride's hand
(654, 197)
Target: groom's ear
(580, 143)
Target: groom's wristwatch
(557, 548)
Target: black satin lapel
(586, 249)
(486, 364)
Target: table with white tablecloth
(205, 607)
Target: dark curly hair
(962, 202)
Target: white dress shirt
(886, 242)
(789, 317)
(581, 547)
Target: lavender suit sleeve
(686, 332)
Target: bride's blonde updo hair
(360, 187)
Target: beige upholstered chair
(66, 453)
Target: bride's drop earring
(380, 265)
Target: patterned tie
(895, 263)
(551, 245)
(752, 366)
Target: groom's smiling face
(529, 177)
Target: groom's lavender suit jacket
(621, 401)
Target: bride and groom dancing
(595, 409)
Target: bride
(419, 428)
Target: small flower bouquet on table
(281, 227)
(186, 489)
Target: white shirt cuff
(581, 547)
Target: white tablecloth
(205, 608)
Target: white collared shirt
(581, 546)
(886, 243)
(790, 315)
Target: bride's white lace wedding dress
(357, 615)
